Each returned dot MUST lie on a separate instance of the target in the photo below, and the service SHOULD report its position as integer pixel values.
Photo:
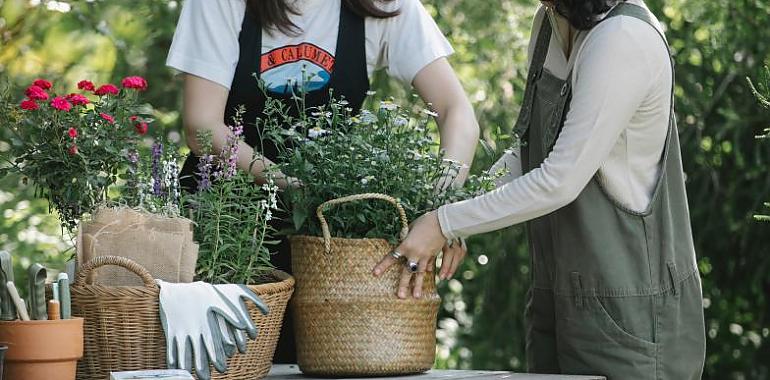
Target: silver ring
(413, 267)
(396, 255)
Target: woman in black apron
(209, 104)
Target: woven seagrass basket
(123, 331)
(349, 323)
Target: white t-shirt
(615, 129)
(206, 42)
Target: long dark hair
(274, 14)
(584, 14)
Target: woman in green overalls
(320, 46)
(598, 178)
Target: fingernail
(401, 294)
(377, 272)
(417, 294)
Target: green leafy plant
(388, 150)
(72, 147)
(231, 215)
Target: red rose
(36, 93)
(77, 99)
(141, 128)
(73, 150)
(137, 83)
(72, 132)
(42, 83)
(107, 117)
(29, 105)
(86, 85)
(106, 89)
(133, 118)
(61, 104)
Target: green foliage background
(717, 44)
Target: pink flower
(29, 105)
(133, 118)
(141, 128)
(72, 132)
(77, 99)
(107, 117)
(73, 150)
(36, 93)
(86, 85)
(134, 82)
(61, 104)
(106, 89)
(42, 83)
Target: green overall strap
(535, 71)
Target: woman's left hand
(424, 241)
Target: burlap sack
(163, 245)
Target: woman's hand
(420, 246)
(452, 255)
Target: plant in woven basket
(231, 215)
(73, 147)
(388, 150)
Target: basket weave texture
(123, 331)
(349, 323)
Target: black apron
(349, 80)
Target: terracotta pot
(42, 350)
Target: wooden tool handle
(53, 310)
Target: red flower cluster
(35, 92)
(77, 99)
(61, 104)
(29, 105)
(135, 82)
(42, 83)
(107, 117)
(107, 89)
(140, 125)
(86, 85)
(72, 132)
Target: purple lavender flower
(204, 172)
(157, 180)
(231, 150)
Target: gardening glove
(189, 315)
(233, 336)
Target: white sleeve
(409, 41)
(612, 79)
(205, 43)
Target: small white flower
(430, 113)
(388, 105)
(371, 93)
(400, 121)
(317, 132)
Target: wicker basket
(123, 330)
(349, 323)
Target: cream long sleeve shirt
(615, 130)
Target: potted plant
(348, 322)
(231, 215)
(73, 147)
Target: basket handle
(124, 262)
(358, 197)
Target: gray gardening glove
(189, 314)
(232, 336)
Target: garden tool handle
(357, 197)
(7, 306)
(124, 262)
(36, 277)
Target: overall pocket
(609, 336)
